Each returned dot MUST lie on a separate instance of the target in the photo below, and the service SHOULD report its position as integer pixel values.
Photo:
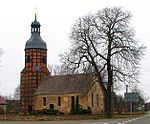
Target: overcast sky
(57, 17)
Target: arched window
(92, 102)
(97, 100)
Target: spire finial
(35, 11)
(35, 17)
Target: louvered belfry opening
(35, 68)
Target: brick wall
(35, 70)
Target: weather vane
(35, 10)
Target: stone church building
(41, 90)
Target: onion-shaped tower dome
(35, 41)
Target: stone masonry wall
(53, 99)
(93, 99)
(98, 99)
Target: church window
(72, 103)
(77, 102)
(59, 101)
(44, 101)
(97, 99)
(92, 100)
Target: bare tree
(119, 103)
(104, 43)
(16, 94)
(8, 97)
(141, 93)
(56, 69)
(1, 52)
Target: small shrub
(48, 112)
(81, 111)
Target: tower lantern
(35, 26)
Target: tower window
(44, 59)
(32, 29)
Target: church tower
(35, 68)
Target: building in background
(3, 104)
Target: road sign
(131, 97)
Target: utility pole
(131, 105)
(126, 88)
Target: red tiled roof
(66, 84)
(2, 101)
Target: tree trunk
(107, 103)
(108, 94)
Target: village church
(40, 90)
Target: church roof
(66, 84)
(35, 41)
